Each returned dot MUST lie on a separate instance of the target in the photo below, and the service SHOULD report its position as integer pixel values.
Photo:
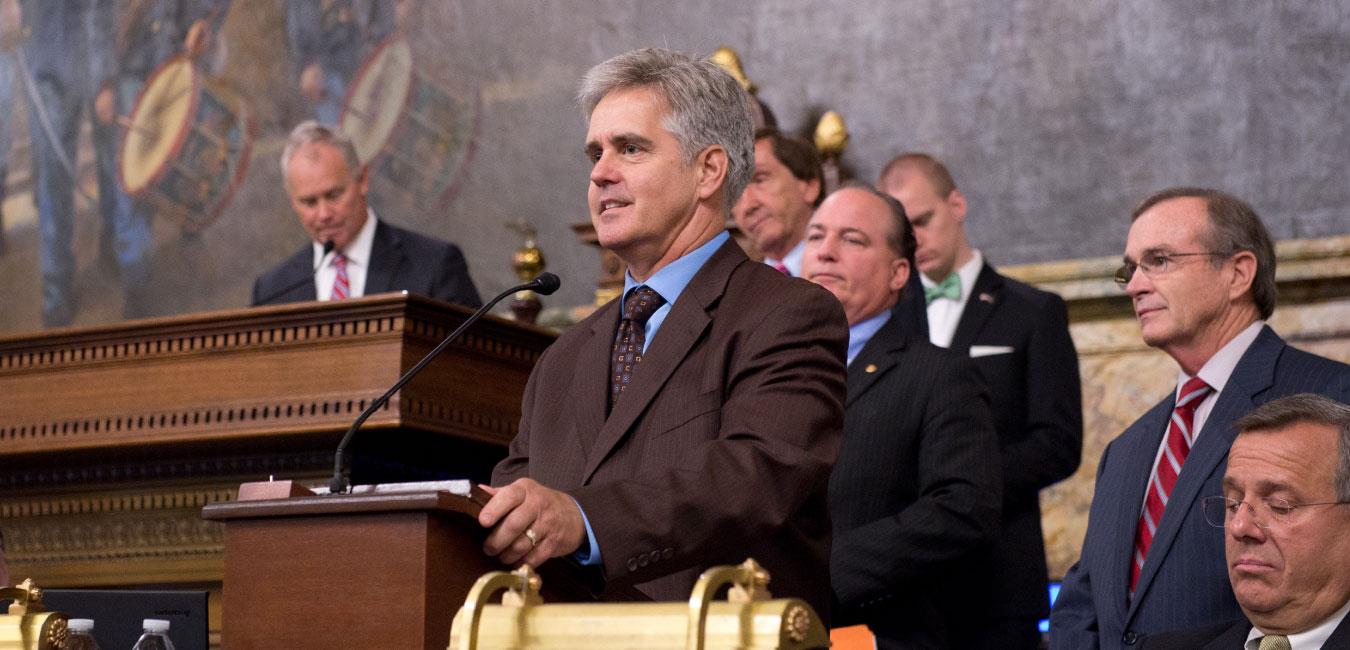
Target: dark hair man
(786, 185)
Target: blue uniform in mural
(334, 36)
(6, 110)
(76, 50)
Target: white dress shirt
(944, 314)
(358, 263)
(793, 260)
(1313, 639)
(1216, 373)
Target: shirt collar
(862, 332)
(968, 273)
(1219, 368)
(671, 279)
(1314, 638)
(358, 250)
(793, 260)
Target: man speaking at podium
(694, 420)
(327, 186)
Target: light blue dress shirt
(670, 282)
(861, 333)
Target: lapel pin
(871, 368)
(986, 297)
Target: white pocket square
(989, 350)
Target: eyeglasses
(1267, 512)
(1154, 263)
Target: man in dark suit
(327, 186)
(694, 421)
(916, 490)
(1286, 530)
(1018, 337)
(1200, 270)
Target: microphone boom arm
(546, 283)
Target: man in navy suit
(327, 186)
(1286, 530)
(1018, 337)
(915, 494)
(1200, 269)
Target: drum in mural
(413, 131)
(186, 145)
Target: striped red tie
(341, 288)
(1179, 438)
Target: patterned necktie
(1274, 642)
(949, 288)
(637, 309)
(1179, 437)
(341, 287)
(782, 268)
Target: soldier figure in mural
(91, 58)
(10, 37)
(328, 40)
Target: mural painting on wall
(119, 123)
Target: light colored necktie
(1274, 642)
(949, 288)
(341, 286)
(782, 268)
(1179, 437)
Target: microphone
(328, 247)
(543, 285)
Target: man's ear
(810, 190)
(363, 179)
(712, 165)
(957, 202)
(899, 274)
(1244, 274)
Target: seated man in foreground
(694, 420)
(1286, 530)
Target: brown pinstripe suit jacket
(722, 445)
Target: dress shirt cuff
(589, 554)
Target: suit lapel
(1254, 373)
(684, 325)
(875, 359)
(590, 377)
(386, 254)
(984, 298)
(300, 266)
(1139, 451)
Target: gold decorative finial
(731, 62)
(831, 135)
(528, 260)
(528, 263)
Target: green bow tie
(950, 288)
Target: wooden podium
(113, 438)
(362, 570)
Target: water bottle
(81, 634)
(155, 636)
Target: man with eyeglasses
(1199, 268)
(1285, 528)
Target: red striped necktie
(1179, 439)
(341, 286)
